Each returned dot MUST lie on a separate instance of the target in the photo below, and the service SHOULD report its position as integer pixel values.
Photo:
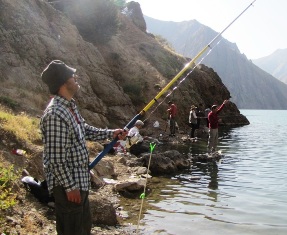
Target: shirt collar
(65, 102)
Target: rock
(122, 160)
(105, 168)
(207, 157)
(133, 162)
(96, 180)
(135, 14)
(142, 170)
(167, 162)
(102, 210)
(12, 220)
(132, 184)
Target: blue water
(244, 193)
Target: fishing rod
(220, 116)
(155, 99)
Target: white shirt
(134, 133)
(192, 117)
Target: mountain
(250, 86)
(275, 64)
(121, 67)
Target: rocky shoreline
(117, 176)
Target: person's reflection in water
(213, 172)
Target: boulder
(166, 162)
(102, 210)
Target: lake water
(244, 193)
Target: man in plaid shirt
(65, 156)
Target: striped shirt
(64, 134)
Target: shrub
(8, 102)
(134, 90)
(7, 197)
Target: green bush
(8, 102)
(134, 91)
(7, 177)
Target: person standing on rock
(172, 111)
(192, 121)
(199, 114)
(65, 155)
(206, 112)
(213, 127)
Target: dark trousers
(207, 122)
(172, 126)
(198, 123)
(193, 127)
(72, 218)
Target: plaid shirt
(64, 134)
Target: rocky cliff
(121, 67)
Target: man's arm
(94, 133)
(222, 106)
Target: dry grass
(22, 126)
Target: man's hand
(120, 133)
(74, 196)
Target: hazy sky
(258, 32)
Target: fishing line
(142, 196)
(165, 89)
(182, 80)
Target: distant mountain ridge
(250, 86)
(275, 64)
